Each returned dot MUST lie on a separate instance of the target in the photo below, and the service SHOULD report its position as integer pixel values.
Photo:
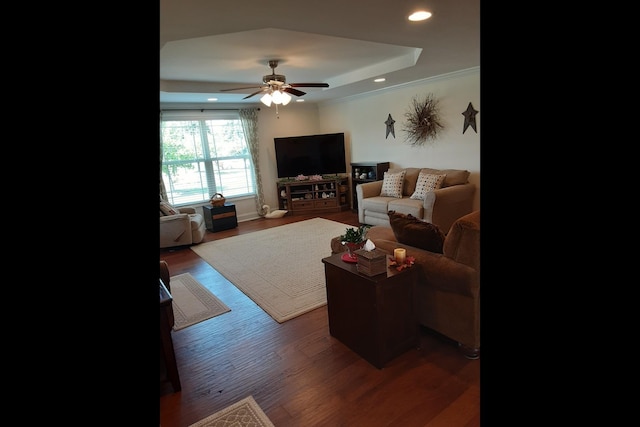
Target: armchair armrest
(438, 270)
(175, 230)
(178, 218)
(187, 210)
(164, 274)
(447, 275)
(445, 205)
(368, 189)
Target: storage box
(371, 263)
(217, 218)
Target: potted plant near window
(354, 239)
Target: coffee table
(372, 315)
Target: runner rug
(245, 413)
(192, 302)
(279, 268)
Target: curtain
(163, 190)
(249, 120)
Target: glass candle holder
(400, 255)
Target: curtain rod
(203, 109)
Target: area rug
(279, 268)
(245, 413)
(192, 302)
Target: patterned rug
(192, 302)
(279, 268)
(245, 413)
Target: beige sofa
(441, 207)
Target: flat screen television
(310, 155)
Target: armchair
(448, 288)
(167, 320)
(183, 228)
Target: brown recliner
(166, 324)
(165, 279)
(448, 288)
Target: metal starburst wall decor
(423, 121)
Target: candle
(400, 254)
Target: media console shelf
(373, 172)
(326, 195)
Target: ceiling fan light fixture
(277, 97)
(266, 99)
(276, 89)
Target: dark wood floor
(299, 374)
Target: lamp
(276, 96)
(266, 99)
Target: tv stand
(305, 197)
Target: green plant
(355, 235)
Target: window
(203, 155)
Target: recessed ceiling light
(381, 79)
(421, 15)
(299, 100)
(212, 99)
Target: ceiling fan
(275, 86)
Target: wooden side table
(373, 315)
(217, 218)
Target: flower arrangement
(355, 235)
(354, 239)
(316, 178)
(409, 261)
(302, 177)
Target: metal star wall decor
(470, 118)
(390, 130)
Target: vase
(352, 247)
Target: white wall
(293, 119)
(362, 120)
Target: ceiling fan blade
(295, 92)
(255, 93)
(309, 84)
(241, 88)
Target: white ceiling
(208, 45)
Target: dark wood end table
(373, 315)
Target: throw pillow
(427, 182)
(412, 231)
(392, 184)
(167, 209)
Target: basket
(217, 200)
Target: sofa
(439, 200)
(180, 226)
(448, 287)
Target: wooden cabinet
(372, 315)
(373, 171)
(327, 195)
(218, 218)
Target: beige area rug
(245, 413)
(279, 268)
(192, 302)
